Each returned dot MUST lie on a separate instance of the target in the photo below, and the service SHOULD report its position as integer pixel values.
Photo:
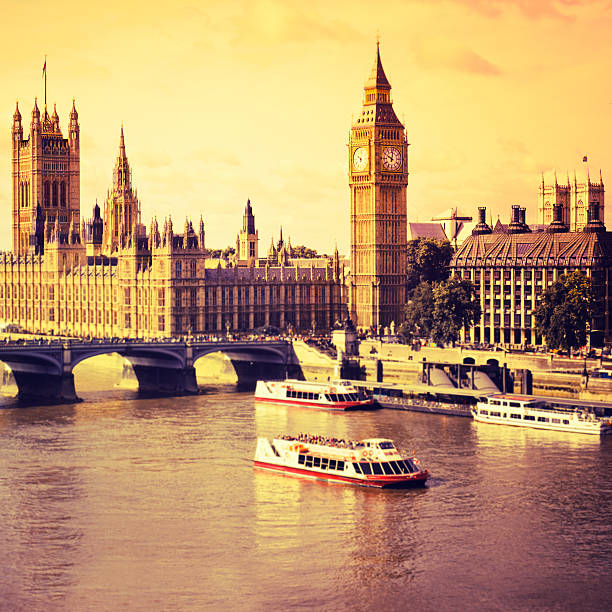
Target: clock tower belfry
(378, 177)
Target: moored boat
(529, 411)
(373, 462)
(334, 395)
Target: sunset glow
(221, 102)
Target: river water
(153, 504)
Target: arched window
(193, 267)
(47, 194)
(179, 269)
(63, 194)
(54, 201)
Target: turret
(594, 224)
(35, 128)
(73, 127)
(201, 234)
(557, 224)
(481, 227)
(516, 226)
(17, 127)
(55, 120)
(97, 226)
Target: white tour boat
(529, 411)
(374, 462)
(335, 395)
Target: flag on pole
(44, 66)
(584, 159)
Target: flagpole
(45, 81)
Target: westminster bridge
(43, 370)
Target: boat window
(308, 461)
(328, 397)
(357, 468)
(387, 468)
(495, 402)
(365, 467)
(301, 459)
(385, 445)
(324, 463)
(396, 467)
(514, 405)
(376, 469)
(493, 413)
(565, 422)
(411, 465)
(484, 411)
(274, 449)
(340, 465)
(543, 419)
(529, 417)
(515, 416)
(332, 464)
(334, 397)
(404, 467)
(317, 461)
(556, 420)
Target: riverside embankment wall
(552, 375)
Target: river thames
(153, 504)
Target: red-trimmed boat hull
(381, 482)
(340, 406)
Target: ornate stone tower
(247, 240)
(122, 208)
(378, 177)
(574, 199)
(46, 171)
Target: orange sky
(227, 101)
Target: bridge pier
(249, 372)
(35, 388)
(159, 380)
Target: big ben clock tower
(378, 177)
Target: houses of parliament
(110, 276)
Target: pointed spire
(17, 114)
(122, 144)
(35, 113)
(600, 178)
(377, 78)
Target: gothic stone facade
(109, 278)
(378, 177)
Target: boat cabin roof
(512, 397)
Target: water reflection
(42, 493)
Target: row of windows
(386, 467)
(321, 462)
(526, 417)
(49, 314)
(307, 395)
(54, 193)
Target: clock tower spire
(378, 177)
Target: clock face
(360, 159)
(391, 158)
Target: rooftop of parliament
(108, 277)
